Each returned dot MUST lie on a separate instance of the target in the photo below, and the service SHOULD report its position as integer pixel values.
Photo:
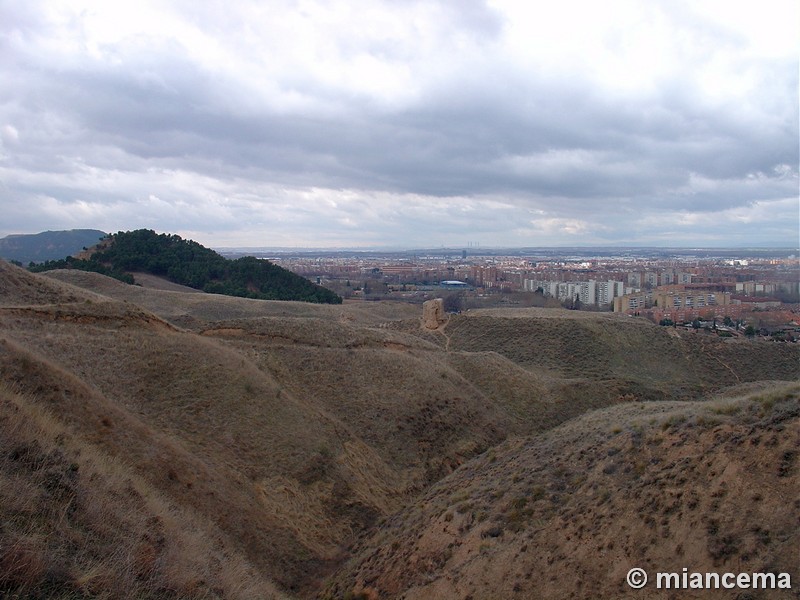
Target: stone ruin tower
(433, 315)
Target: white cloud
(9, 134)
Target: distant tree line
(188, 263)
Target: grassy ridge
(654, 363)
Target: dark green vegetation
(188, 263)
(48, 245)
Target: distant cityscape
(728, 288)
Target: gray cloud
(440, 128)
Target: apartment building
(690, 299)
(588, 292)
(606, 291)
(677, 305)
(633, 303)
(654, 279)
(751, 288)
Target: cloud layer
(302, 123)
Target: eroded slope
(710, 486)
(292, 429)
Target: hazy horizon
(477, 250)
(471, 250)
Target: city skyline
(366, 125)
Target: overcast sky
(403, 123)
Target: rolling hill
(162, 444)
(187, 263)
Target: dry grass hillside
(654, 362)
(195, 310)
(711, 486)
(275, 434)
(204, 421)
(19, 288)
(79, 521)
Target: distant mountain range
(48, 245)
(188, 263)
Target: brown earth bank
(267, 438)
(711, 487)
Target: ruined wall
(433, 315)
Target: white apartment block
(606, 291)
(751, 287)
(588, 292)
(652, 279)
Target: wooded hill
(188, 263)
